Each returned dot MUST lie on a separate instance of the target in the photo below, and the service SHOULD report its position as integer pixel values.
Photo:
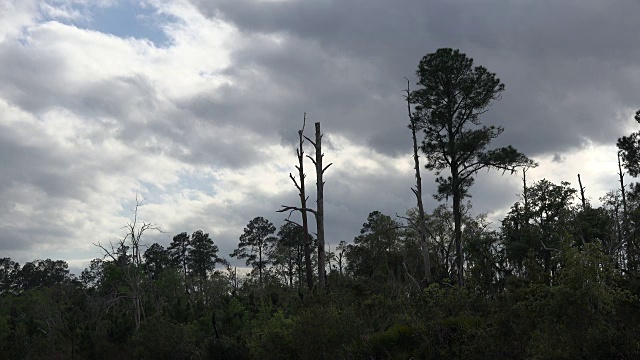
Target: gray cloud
(569, 67)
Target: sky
(194, 107)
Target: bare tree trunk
(132, 270)
(319, 211)
(584, 201)
(625, 218)
(457, 219)
(622, 188)
(260, 263)
(136, 260)
(418, 193)
(303, 205)
(525, 197)
(320, 203)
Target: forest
(557, 278)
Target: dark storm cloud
(295, 76)
(569, 67)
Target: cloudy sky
(194, 105)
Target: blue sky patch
(125, 19)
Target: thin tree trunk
(457, 218)
(319, 211)
(260, 263)
(418, 193)
(303, 205)
(525, 197)
(584, 201)
(625, 217)
(290, 271)
(320, 205)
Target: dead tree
(525, 195)
(417, 191)
(584, 200)
(319, 201)
(303, 204)
(319, 211)
(132, 263)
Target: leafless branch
(295, 182)
(309, 140)
(295, 208)
(544, 247)
(312, 159)
(106, 251)
(404, 264)
(292, 222)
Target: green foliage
(178, 250)
(156, 260)
(287, 254)
(629, 150)
(323, 331)
(375, 253)
(160, 338)
(448, 106)
(8, 275)
(452, 97)
(255, 242)
(274, 339)
(540, 224)
(42, 273)
(586, 309)
(397, 342)
(203, 254)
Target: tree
(540, 227)
(42, 273)
(178, 250)
(320, 170)
(203, 254)
(319, 211)
(128, 258)
(254, 244)
(448, 107)
(629, 147)
(629, 158)
(303, 204)
(9, 270)
(417, 191)
(341, 250)
(288, 253)
(441, 232)
(156, 259)
(92, 276)
(375, 253)
(614, 205)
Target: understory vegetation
(574, 297)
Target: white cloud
(15, 15)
